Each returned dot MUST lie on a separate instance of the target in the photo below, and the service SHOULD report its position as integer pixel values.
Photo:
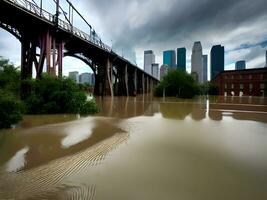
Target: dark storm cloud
(165, 24)
(180, 18)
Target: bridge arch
(13, 31)
(84, 59)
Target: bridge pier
(50, 50)
(103, 80)
(126, 80)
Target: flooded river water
(140, 148)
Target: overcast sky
(132, 26)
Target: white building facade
(196, 62)
(149, 59)
(74, 76)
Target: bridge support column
(135, 82)
(109, 73)
(143, 83)
(126, 81)
(147, 84)
(27, 54)
(53, 49)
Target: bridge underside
(44, 44)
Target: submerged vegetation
(48, 95)
(180, 84)
(177, 83)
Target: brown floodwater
(141, 148)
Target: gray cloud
(138, 25)
(157, 24)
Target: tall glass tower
(181, 59)
(169, 59)
(196, 62)
(240, 65)
(216, 60)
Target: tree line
(48, 95)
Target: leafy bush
(10, 110)
(52, 95)
(9, 77)
(177, 84)
(90, 107)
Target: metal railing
(43, 14)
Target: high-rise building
(181, 59)
(163, 71)
(149, 59)
(266, 59)
(93, 80)
(85, 78)
(169, 59)
(155, 70)
(239, 65)
(196, 62)
(205, 68)
(74, 76)
(216, 60)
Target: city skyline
(241, 29)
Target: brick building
(248, 82)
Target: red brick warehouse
(248, 82)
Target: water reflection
(171, 143)
(197, 109)
(49, 142)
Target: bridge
(46, 38)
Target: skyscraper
(169, 59)
(155, 70)
(266, 59)
(149, 59)
(216, 60)
(74, 76)
(239, 65)
(196, 59)
(205, 68)
(163, 71)
(181, 59)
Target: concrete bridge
(46, 38)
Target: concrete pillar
(147, 85)
(109, 77)
(126, 80)
(135, 81)
(143, 83)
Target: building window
(262, 86)
(250, 86)
(232, 77)
(225, 86)
(241, 86)
(225, 77)
(250, 76)
(241, 77)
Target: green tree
(57, 95)
(10, 105)
(177, 84)
(9, 77)
(10, 110)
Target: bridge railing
(29, 6)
